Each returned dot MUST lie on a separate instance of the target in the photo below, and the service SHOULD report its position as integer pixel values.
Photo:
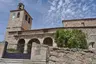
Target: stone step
(20, 61)
(11, 61)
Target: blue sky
(48, 13)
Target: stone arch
(48, 41)
(91, 44)
(20, 45)
(29, 45)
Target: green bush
(71, 39)
(11, 50)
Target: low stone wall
(1, 49)
(69, 56)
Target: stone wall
(71, 56)
(1, 49)
(79, 22)
(41, 34)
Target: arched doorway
(30, 43)
(48, 41)
(20, 45)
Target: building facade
(19, 31)
(88, 22)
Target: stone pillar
(34, 46)
(41, 41)
(25, 47)
(38, 53)
(54, 44)
(2, 46)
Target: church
(21, 37)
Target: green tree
(2, 41)
(71, 39)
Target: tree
(2, 41)
(71, 39)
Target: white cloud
(67, 1)
(69, 9)
(9, 2)
(54, 2)
(6, 4)
(60, 4)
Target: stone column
(38, 53)
(41, 41)
(54, 44)
(33, 50)
(25, 47)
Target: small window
(26, 17)
(13, 14)
(83, 23)
(91, 44)
(20, 7)
(18, 15)
(29, 20)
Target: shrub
(71, 39)
(12, 50)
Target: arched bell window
(18, 15)
(26, 17)
(29, 20)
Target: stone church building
(19, 34)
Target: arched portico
(48, 41)
(30, 43)
(20, 45)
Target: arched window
(48, 41)
(29, 20)
(26, 17)
(18, 15)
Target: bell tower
(20, 6)
(19, 19)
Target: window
(26, 17)
(18, 15)
(13, 16)
(83, 23)
(91, 44)
(29, 20)
(20, 7)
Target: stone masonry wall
(13, 37)
(79, 23)
(69, 56)
(1, 49)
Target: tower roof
(20, 4)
